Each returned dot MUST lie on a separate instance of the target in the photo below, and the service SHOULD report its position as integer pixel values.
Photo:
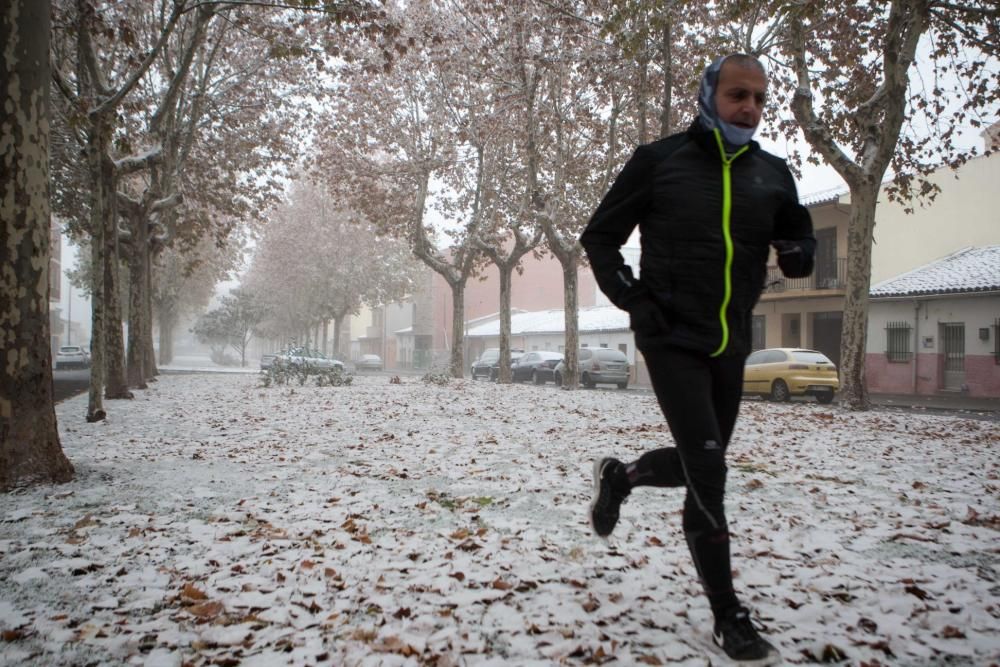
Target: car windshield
(810, 357)
(490, 355)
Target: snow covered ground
(212, 521)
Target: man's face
(740, 95)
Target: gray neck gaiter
(733, 135)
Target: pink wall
(982, 375)
(539, 287)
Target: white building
(936, 328)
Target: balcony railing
(829, 276)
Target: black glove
(795, 258)
(646, 316)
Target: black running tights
(700, 397)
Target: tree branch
(201, 20)
(115, 99)
(134, 163)
(802, 108)
(62, 83)
(167, 203)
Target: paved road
(67, 383)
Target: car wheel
(779, 391)
(623, 385)
(586, 382)
(825, 398)
(558, 378)
(536, 378)
(494, 375)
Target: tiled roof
(591, 320)
(968, 270)
(824, 196)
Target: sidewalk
(954, 402)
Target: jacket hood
(709, 116)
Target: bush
(281, 373)
(220, 358)
(438, 376)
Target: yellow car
(783, 372)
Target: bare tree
(30, 450)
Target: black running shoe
(607, 500)
(738, 638)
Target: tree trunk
(854, 332)
(666, 111)
(641, 95)
(505, 289)
(149, 350)
(114, 341)
(457, 329)
(137, 323)
(326, 339)
(95, 402)
(168, 322)
(30, 450)
(571, 378)
(338, 335)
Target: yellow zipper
(727, 209)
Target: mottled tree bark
(115, 385)
(571, 304)
(138, 325)
(95, 402)
(168, 322)
(149, 350)
(854, 328)
(30, 451)
(457, 329)
(506, 278)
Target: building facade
(935, 329)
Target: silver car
(369, 362)
(599, 365)
(70, 356)
(301, 356)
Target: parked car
(70, 356)
(781, 373)
(599, 365)
(369, 362)
(300, 356)
(488, 364)
(267, 360)
(539, 367)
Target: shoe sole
(719, 657)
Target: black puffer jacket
(706, 222)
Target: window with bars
(996, 341)
(897, 342)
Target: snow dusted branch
(805, 114)
(134, 163)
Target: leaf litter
(212, 522)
